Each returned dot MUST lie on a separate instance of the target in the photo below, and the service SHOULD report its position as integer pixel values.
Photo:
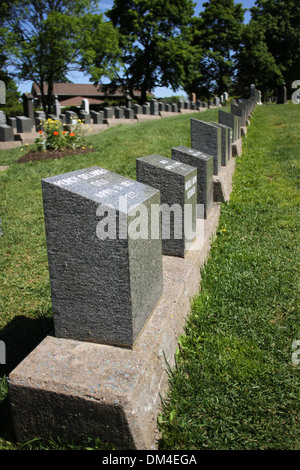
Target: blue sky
(161, 92)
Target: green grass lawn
(235, 386)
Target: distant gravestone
(229, 120)
(24, 124)
(128, 113)
(97, 117)
(226, 146)
(85, 105)
(6, 133)
(108, 113)
(174, 108)
(105, 268)
(2, 92)
(146, 109)
(119, 113)
(154, 110)
(180, 104)
(204, 165)
(137, 109)
(206, 138)
(2, 118)
(239, 111)
(11, 121)
(84, 117)
(71, 117)
(28, 105)
(56, 108)
(177, 183)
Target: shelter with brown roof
(72, 94)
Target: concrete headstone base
(77, 389)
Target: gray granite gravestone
(71, 117)
(206, 138)
(28, 105)
(137, 109)
(6, 133)
(204, 165)
(97, 117)
(128, 113)
(85, 105)
(154, 108)
(226, 145)
(174, 108)
(229, 120)
(105, 269)
(2, 118)
(11, 121)
(2, 92)
(39, 124)
(146, 109)
(239, 111)
(56, 108)
(108, 113)
(177, 183)
(24, 124)
(119, 113)
(84, 117)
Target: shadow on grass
(20, 336)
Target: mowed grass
(25, 301)
(235, 385)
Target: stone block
(105, 276)
(204, 165)
(177, 183)
(24, 124)
(206, 138)
(6, 133)
(97, 117)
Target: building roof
(78, 89)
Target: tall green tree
(155, 43)
(280, 22)
(255, 63)
(218, 31)
(46, 39)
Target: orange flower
(55, 133)
(40, 132)
(72, 134)
(63, 132)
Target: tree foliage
(45, 39)
(280, 22)
(217, 32)
(154, 39)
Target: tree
(280, 22)
(218, 32)
(255, 63)
(154, 39)
(45, 39)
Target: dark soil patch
(34, 156)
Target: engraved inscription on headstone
(204, 165)
(177, 183)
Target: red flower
(40, 132)
(72, 134)
(55, 133)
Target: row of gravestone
(25, 124)
(106, 233)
